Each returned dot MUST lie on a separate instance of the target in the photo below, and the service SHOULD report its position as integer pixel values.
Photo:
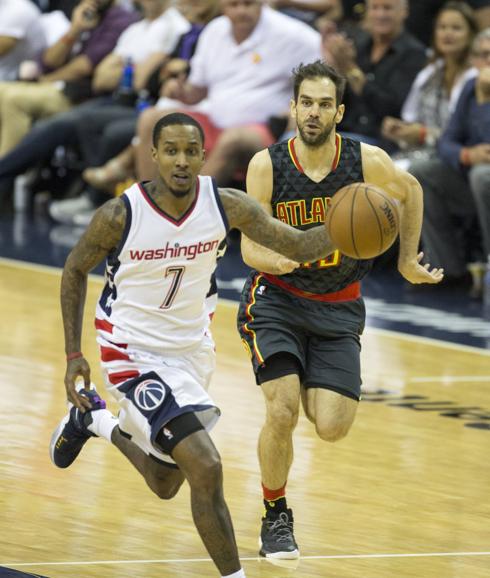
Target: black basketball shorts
(323, 336)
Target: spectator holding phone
(67, 67)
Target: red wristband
(422, 134)
(74, 355)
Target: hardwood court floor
(405, 495)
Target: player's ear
(340, 113)
(154, 154)
(292, 108)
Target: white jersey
(158, 279)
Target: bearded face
(313, 132)
(316, 112)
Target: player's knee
(211, 475)
(165, 491)
(207, 473)
(332, 430)
(164, 482)
(282, 418)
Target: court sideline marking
(251, 558)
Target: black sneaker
(71, 434)
(276, 537)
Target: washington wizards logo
(149, 395)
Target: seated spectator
(68, 67)
(255, 94)
(242, 69)
(437, 87)
(147, 44)
(422, 15)
(457, 186)
(143, 41)
(380, 66)
(21, 36)
(112, 128)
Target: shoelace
(281, 528)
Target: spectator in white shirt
(147, 43)
(21, 36)
(242, 67)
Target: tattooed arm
(102, 235)
(245, 213)
(271, 259)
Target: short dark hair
(319, 69)
(172, 119)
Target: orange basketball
(362, 220)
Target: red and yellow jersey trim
(292, 154)
(248, 312)
(338, 151)
(336, 158)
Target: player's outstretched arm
(378, 168)
(102, 235)
(246, 214)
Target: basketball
(362, 220)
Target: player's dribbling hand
(285, 265)
(77, 368)
(416, 273)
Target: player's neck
(316, 160)
(167, 201)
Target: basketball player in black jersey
(301, 323)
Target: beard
(318, 140)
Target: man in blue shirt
(457, 185)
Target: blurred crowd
(83, 82)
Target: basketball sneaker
(72, 432)
(276, 537)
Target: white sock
(239, 574)
(103, 423)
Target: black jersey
(301, 202)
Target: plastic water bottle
(143, 101)
(125, 92)
(127, 76)
(486, 291)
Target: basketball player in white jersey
(161, 240)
